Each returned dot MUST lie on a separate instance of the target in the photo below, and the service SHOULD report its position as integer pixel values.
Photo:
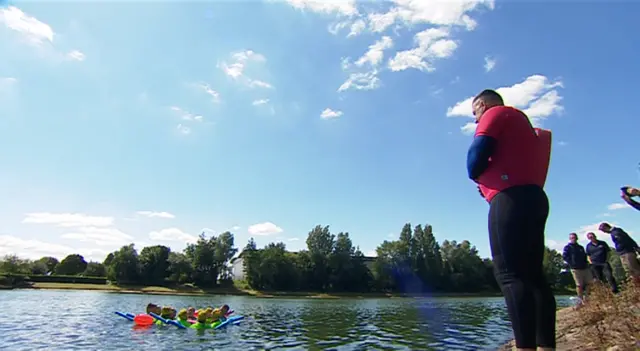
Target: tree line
(414, 263)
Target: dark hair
(573, 234)
(489, 95)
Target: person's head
(208, 312)
(191, 312)
(485, 100)
(592, 236)
(224, 309)
(172, 313)
(573, 238)
(165, 312)
(183, 315)
(605, 227)
(202, 317)
(151, 307)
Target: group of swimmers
(205, 318)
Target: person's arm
(586, 251)
(631, 201)
(484, 141)
(607, 250)
(478, 155)
(565, 254)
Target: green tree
(50, 263)
(38, 268)
(73, 264)
(553, 264)
(251, 264)
(320, 243)
(95, 269)
(124, 266)
(13, 264)
(180, 268)
(203, 260)
(154, 264)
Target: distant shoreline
(158, 290)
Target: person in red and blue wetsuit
(509, 159)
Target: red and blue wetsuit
(509, 160)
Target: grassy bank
(236, 290)
(605, 322)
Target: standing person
(598, 253)
(509, 159)
(627, 248)
(576, 257)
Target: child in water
(183, 318)
(201, 322)
(151, 307)
(191, 313)
(168, 313)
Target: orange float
(143, 320)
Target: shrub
(608, 320)
(69, 279)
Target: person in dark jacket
(576, 257)
(598, 253)
(627, 248)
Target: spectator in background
(598, 253)
(576, 257)
(627, 248)
(627, 194)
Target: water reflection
(75, 320)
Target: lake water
(84, 320)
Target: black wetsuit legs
(517, 220)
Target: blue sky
(146, 122)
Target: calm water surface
(79, 320)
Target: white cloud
(172, 234)
(371, 253)
(489, 64)
(235, 228)
(76, 55)
(329, 113)
(375, 54)
(357, 27)
(34, 249)
(618, 206)
(562, 143)
(260, 102)
(101, 236)
(556, 245)
(183, 129)
(155, 214)
(265, 228)
(259, 84)
(439, 13)
(35, 31)
(431, 44)
(361, 81)
(185, 115)
(215, 96)
(239, 62)
(293, 239)
(536, 95)
(68, 219)
(340, 7)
